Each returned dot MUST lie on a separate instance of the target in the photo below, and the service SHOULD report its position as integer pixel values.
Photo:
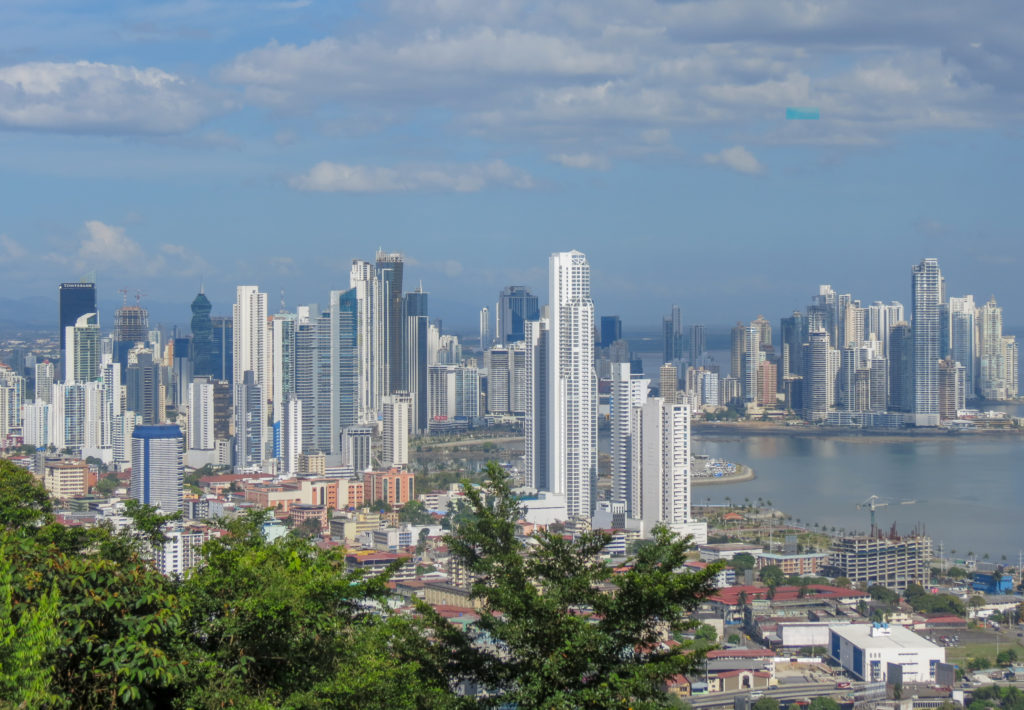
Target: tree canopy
(86, 621)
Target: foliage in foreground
(565, 631)
(86, 622)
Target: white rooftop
(892, 637)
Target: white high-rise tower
(572, 382)
(927, 287)
(250, 336)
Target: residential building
(395, 444)
(516, 306)
(158, 466)
(572, 384)
(927, 297)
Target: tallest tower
(572, 382)
(926, 291)
(389, 275)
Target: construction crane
(874, 503)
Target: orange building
(396, 487)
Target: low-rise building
(866, 650)
(715, 551)
(66, 478)
(807, 564)
(395, 487)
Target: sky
(166, 144)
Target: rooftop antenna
(282, 302)
(124, 297)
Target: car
(843, 684)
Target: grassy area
(960, 654)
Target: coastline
(774, 429)
(745, 474)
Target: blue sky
(162, 143)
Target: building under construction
(131, 324)
(892, 561)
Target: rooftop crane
(875, 502)
(872, 504)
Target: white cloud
(107, 248)
(738, 158)
(339, 177)
(583, 161)
(10, 250)
(91, 97)
(606, 73)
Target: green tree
(883, 594)
(560, 638)
(284, 624)
(23, 502)
(766, 703)
(1007, 657)
(415, 513)
(735, 639)
(706, 632)
(772, 575)
(26, 642)
(742, 562)
(107, 485)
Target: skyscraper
(572, 394)
(751, 360)
(415, 355)
(223, 361)
(82, 350)
(629, 391)
(395, 434)
(201, 414)
(344, 364)
(390, 268)
(793, 331)
(44, 381)
(737, 347)
(158, 466)
(901, 359)
(202, 336)
(672, 335)
(76, 299)
(516, 306)
(662, 493)
(961, 339)
(142, 387)
(926, 291)
(536, 427)
(819, 376)
(250, 336)
(485, 328)
(698, 343)
(363, 278)
(611, 330)
(249, 421)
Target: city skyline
(477, 139)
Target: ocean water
(967, 492)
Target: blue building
(990, 584)
(158, 469)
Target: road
(795, 691)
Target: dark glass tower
(223, 354)
(414, 361)
(611, 330)
(516, 305)
(389, 274)
(202, 336)
(76, 299)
